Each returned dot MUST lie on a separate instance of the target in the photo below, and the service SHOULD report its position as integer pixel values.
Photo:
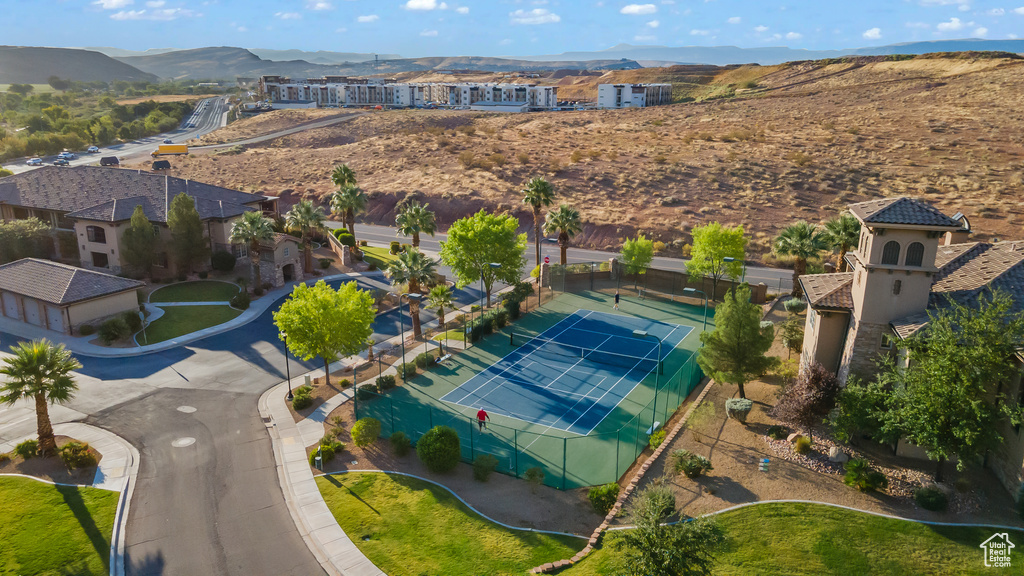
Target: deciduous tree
(808, 401)
(712, 244)
(475, 242)
(39, 370)
(637, 255)
(734, 351)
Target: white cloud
(533, 17)
(505, 41)
(165, 14)
(462, 9)
(996, 12)
(696, 32)
(368, 19)
(319, 5)
(424, 5)
(429, 33)
(287, 15)
(635, 9)
(953, 25)
(242, 29)
(1011, 36)
(760, 29)
(340, 30)
(113, 4)
(981, 31)
(1019, 10)
(735, 20)
(794, 36)
(872, 34)
(644, 38)
(653, 24)
(155, 3)
(923, 25)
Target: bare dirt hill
(799, 141)
(34, 65)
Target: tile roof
(902, 210)
(828, 290)
(111, 194)
(57, 283)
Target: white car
(92, 149)
(34, 162)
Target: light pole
(287, 366)
(410, 296)
(730, 260)
(657, 374)
(690, 291)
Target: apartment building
(610, 96)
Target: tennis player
(481, 419)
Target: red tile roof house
(910, 258)
(96, 205)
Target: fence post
(472, 447)
(515, 451)
(635, 442)
(430, 416)
(617, 442)
(391, 405)
(355, 399)
(564, 440)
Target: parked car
(161, 165)
(34, 162)
(92, 149)
(168, 141)
(61, 162)
(110, 161)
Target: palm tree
(538, 194)
(802, 241)
(413, 220)
(566, 222)
(842, 234)
(348, 201)
(40, 370)
(413, 268)
(343, 176)
(306, 218)
(440, 298)
(253, 229)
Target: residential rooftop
(57, 283)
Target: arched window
(915, 254)
(891, 253)
(96, 234)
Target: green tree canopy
(343, 176)
(476, 241)
(39, 370)
(307, 219)
(140, 241)
(253, 229)
(23, 239)
(566, 222)
(637, 255)
(734, 351)
(712, 244)
(842, 234)
(324, 323)
(191, 248)
(416, 219)
(538, 194)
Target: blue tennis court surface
(571, 376)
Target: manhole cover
(187, 409)
(183, 442)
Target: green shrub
(483, 466)
(476, 333)
(4, 457)
(777, 432)
(794, 305)
(535, 273)
(500, 318)
(424, 360)
(931, 498)
(302, 398)
(133, 320)
(512, 307)
(366, 392)
(345, 238)
(738, 408)
(204, 275)
(656, 439)
(486, 324)
(439, 449)
(395, 247)
(400, 443)
(86, 329)
(860, 476)
(325, 263)
(802, 445)
(406, 370)
(114, 329)
(603, 497)
(535, 476)
(76, 455)
(689, 464)
(386, 382)
(326, 455)
(27, 449)
(363, 243)
(241, 300)
(345, 383)
(365, 432)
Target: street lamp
(657, 374)
(692, 291)
(287, 366)
(410, 296)
(730, 260)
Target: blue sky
(504, 27)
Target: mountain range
(33, 65)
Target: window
(897, 285)
(161, 260)
(891, 253)
(915, 254)
(886, 343)
(240, 250)
(96, 234)
(287, 251)
(100, 260)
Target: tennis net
(543, 346)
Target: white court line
(582, 358)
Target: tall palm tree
(343, 176)
(802, 241)
(253, 229)
(306, 218)
(416, 219)
(842, 234)
(440, 298)
(348, 201)
(538, 194)
(413, 268)
(567, 223)
(40, 370)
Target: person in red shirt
(481, 419)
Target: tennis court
(574, 374)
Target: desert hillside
(771, 145)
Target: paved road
(294, 129)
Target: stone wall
(862, 350)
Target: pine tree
(190, 247)
(140, 242)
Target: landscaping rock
(837, 455)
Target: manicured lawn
(380, 257)
(415, 527)
(47, 529)
(457, 334)
(201, 291)
(181, 320)
(808, 539)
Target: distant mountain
(320, 56)
(120, 52)
(228, 62)
(33, 65)
(724, 55)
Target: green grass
(47, 529)
(809, 539)
(181, 320)
(201, 291)
(457, 334)
(415, 527)
(379, 257)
